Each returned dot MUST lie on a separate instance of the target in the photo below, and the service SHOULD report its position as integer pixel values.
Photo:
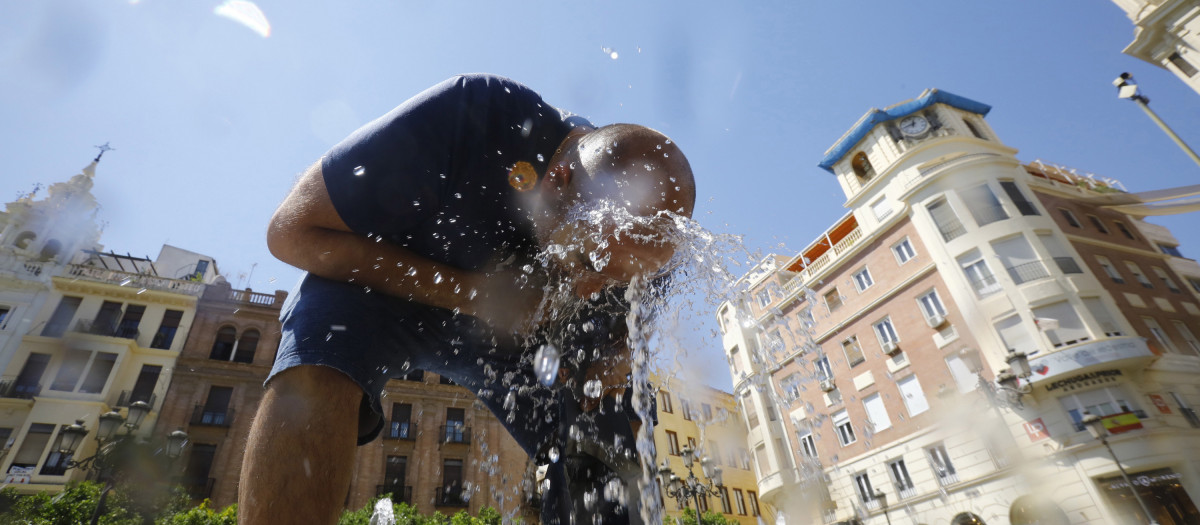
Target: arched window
(24, 239)
(967, 518)
(222, 348)
(246, 347)
(50, 250)
(862, 167)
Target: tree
(689, 518)
(72, 506)
(202, 515)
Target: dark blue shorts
(372, 337)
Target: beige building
(707, 420)
(1166, 33)
(881, 341)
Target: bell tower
(55, 228)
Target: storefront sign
(1082, 380)
(1145, 480)
(1160, 403)
(19, 475)
(1036, 430)
(1161, 491)
(1123, 422)
(1057, 364)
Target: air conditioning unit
(936, 321)
(827, 385)
(890, 348)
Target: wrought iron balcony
(456, 433)
(450, 497)
(1030, 271)
(10, 388)
(951, 229)
(1068, 265)
(204, 416)
(399, 493)
(406, 430)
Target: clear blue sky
(212, 122)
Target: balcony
(906, 493)
(403, 430)
(985, 285)
(1030, 271)
(206, 417)
(133, 280)
(872, 504)
(450, 497)
(11, 389)
(947, 478)
(951, 229)
(826, 249)
(107, 329)
(129, 397)
(456, 433)
(399, 493)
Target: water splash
(245, 13)
(384, 513)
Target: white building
(1166, 33)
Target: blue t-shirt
(432, 175)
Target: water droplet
(471, 294)
(457, 195)
(328, 336)
(553, 454)
(545, 364)
(437, 277)
(142, 291)
(540, 158)
(359, 171)
(126, 281)
(593, 388)
(613, 55)
(411, 272)
(528, 268)
(510, 400)
(588, 326)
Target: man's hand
(508, 300)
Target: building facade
(875, 351)
(1166, 33)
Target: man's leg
(300, 453)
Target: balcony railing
(109, 329)
(872, 504)
(11, 389)
(840, 248)
(905, 493)
(399, 493)
(947, 478)
(129, 397)
(134, 280)
(450, 497)
(1068, 265)
(951, 229)
(406, 430)
(203, 416)
(1030, 271)
(988, 214)
(985, 285)
(456, 433)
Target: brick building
(883, 340)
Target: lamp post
(691, 487)
(1128, 88)
(111, 446)
(1095, 426)
(1008, 390)
(882, 497)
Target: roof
(876, 116)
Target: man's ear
(557, 178)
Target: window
(395, 470)
(1016, 335)
(1109, 269)
(1188, 336)
(1166, 279)
(900, 477)
(764, 298)
(808, 446)
(222, 349)
(93, 367)
(824, 372)
(452, 480)
(216, 408)
(739, 501)
(34, 444)
(862, 485)
(751, 412)
(886, 332)
(456, 430)
(686, 409)
(983, 204)
(979, 274)
(724, 494)
(691, 443)
(833, 300)
(791, 386)
(199, 466)
(97, 376)
(862, 166)
(1101, 402)
(903, 251)
(1138, 275)
(105, 322)
(1188, 412)
(1159, 334)
(913, 396)
(57, 325)
(964, 376)
(1062, 257)
(1124, 229)
(946, 220)
(1098, 224)
(713, 451)
(4, 311)
(753, 502)
(877, 413)
(736, 361)
(166, 331)
(760, 454)
(943, 468)
(706, 411)
(1070, 217)
(1061, 324)
(1019, 259)
(147, 380)
(401, 426)
(56, 462)
(1185, 67)
(1018, 199)
(931, 305)
(1195, 282)
(672, 443)
(664, 401)
(1169, 250)
(128, 328)
(28, 383)
(1108, 325)
(862, 279)
(845, 431)
(246, 346)
(854, 353)
(882, 208)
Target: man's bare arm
(306, 232)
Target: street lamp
(1095, 427)
(111, 447)
(691, 487)
(1128, 88)
(1008, 390)
(882, 497)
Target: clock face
(914, 125)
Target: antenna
(103, 148)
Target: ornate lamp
(1019, 363)
(175, 442)
(1095, 426)
(137, 413)
(109, 423)
(71, 437)
(1007, 379)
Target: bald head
(634, 166)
